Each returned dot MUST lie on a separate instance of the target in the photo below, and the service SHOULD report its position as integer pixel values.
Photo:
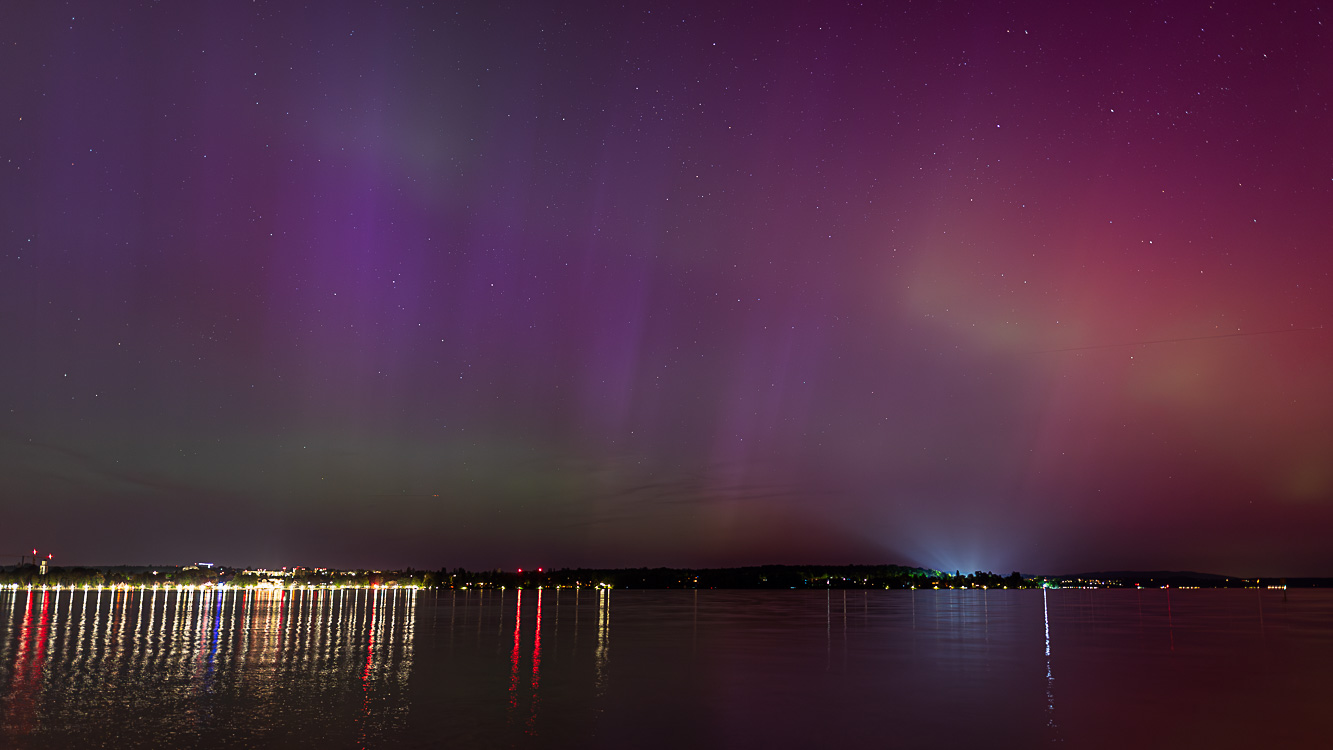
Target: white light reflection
(1050, 680)
(4, 641)
(603, 637)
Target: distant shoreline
(750, 577)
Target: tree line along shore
(751, 577)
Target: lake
(624, 668)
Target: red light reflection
(27, 678)
(536, 663)
(514, 656)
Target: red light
(520, 570)
(539, 570)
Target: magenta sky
(672, 284)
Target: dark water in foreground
(929, 669)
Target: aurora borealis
(507, 285)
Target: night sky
(1036, 286)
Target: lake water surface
(624, 669)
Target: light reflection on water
(536, 668)
(187, 665)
